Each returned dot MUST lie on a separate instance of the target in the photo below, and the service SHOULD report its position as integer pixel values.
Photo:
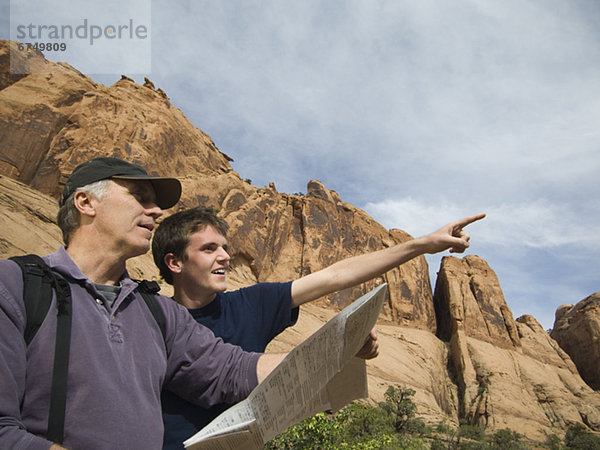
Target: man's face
(204, 267)
(127, 215)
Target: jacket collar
(61, 262)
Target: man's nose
(152, 209)
(223, 255)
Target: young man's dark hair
(173, 235)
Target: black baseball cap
(167, 190)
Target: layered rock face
(53, 120)
(282, 237)
(577, 330)
(460, 349)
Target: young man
(190, 249)
(118, 358)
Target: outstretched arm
(357, 269)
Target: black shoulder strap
(58, 392)
(38, 282)
(37, 292)
(149, 289)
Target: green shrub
(355, 427)
(318, 431)
(473, 432)
(472, 445)
(577, 437)
(438, 444)
(393, 425)
(362, 421)
(415, 426)
(553, 442)
(399, 406)
(507, 440)
(443, 428)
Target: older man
(118, 360)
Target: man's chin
(139, 250)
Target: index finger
(468, 220)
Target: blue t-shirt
(249, 317)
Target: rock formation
(460, 349)
(468, 297)
(281, 237)
(577, 330)
(509, 374)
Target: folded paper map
(320, 374)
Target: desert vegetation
(394, 424)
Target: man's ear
(173, 263)
(83, 202)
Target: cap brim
(167, 190)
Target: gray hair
(68, 216)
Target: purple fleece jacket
(117, 367)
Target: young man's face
(127, 214)
(205, 265)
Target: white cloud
(536, 224)
(497, 100)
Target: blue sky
(419, 112)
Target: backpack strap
(38, 282)
(37, 292)
(58, 392)
(149, 289)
